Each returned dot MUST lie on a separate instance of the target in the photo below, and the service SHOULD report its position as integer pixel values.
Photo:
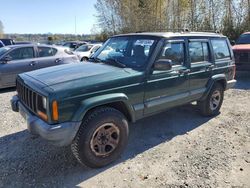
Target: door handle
(32, 63)
(58, 60)
(185, 71)
(210, 67)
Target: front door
(165, 89)
(21, 60)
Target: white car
(85, 51)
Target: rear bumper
(59, 134)
(231, 84)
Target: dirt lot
(178, 148)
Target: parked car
(1, 44)
(242, 52)
(85, 51)
(16, 59)
(7, 42)
(23, 42)
(90, 105)
(72, 45)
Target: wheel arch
(118, 101)
(219, 78)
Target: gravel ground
(177, 148)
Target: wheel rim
(215, 100)
(105, 139)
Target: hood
(241, 47)
(84, 76)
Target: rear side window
(198, 51)
(173, 52)
(221, 50)
(46, 51)
(22, 53)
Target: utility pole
(75, 27)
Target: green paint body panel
(79, 88)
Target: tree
(1, 29)
(232, 17)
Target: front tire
(101, 138)
(212, 104)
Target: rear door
(46, 57)
(223, 56)
(22, 60)
(201, 66)
(165, 89)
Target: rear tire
(212, 104)
(84, 59)
(101, 138)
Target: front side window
(84, 48)
(221, 50)
(22, 53)
(4, 50)
(173, 52)
(46, 51)
(130, 51)
(198, 52)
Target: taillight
(234, 71)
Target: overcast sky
(43, 16)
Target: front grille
(242, 57)
(27, 96)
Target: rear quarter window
(221, 49)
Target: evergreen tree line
(231, 17)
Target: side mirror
(6, 59)
(232, 42)
(163, 64)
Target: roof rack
(185, 30)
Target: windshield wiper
(114, 62)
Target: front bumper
(59, 134)
(231, 84)
(243, 66)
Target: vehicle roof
(246, 33)
(175, 34)
(29, 45)
(75, 42)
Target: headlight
(44, 102)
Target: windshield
(130, 51)
(84, 48)
(3, 50)
(244, 39)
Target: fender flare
(101, 100)
(216, 78)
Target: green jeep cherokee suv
(132, 76)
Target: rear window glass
(46, 51)
(221, 50)
(198, 52)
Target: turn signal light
(55, 110)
